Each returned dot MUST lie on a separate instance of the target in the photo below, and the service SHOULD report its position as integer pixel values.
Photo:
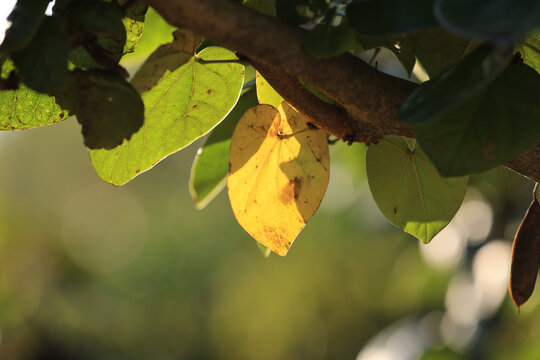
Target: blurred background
(90, 271)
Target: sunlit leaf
(266, 93)
(493, 127)
(383, 17)
(24, 108)
(25, 19)
(408, 189)
(530, 50)
(134, 24)
(211, 164)
(184, 98)
(279, 171)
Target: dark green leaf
(496, 125)
(326, 40)
(267, 7)
(408, 190)
(107, 106)
(383, 17)
(25, 19)
(504, 20)
(211, 164)
(437, 49)
(98, 27)
(399, 44)
(43, 63)
(134, 24)
(24, 108)
(299, 11)
(436, 98)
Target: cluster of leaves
(479, 109)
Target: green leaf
(134, 24)
(384, 17)
(497, 125)
(399, 44)
(327, 40)
(107, 106)
(183, 105)
(530, 50)
(24, 108)
(25, 19)
(266, 93)
(437, 49)
(43, 63)
(98, 26)
(408, 189)
(505, 20)
(267, 7)
(211, 164)
(439, 96)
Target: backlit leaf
(134, 24)
(24, 108)
(408, 189)
(184, 98)
(399, 44)
(493, 127)
(211, 164)
(530, 50)
(266, 93)
(278, 174)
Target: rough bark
(366, 100)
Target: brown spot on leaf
(395, 210)
(291, 191)
(209, 91)
(488, 151)
(137, 171)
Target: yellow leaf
(278, 174)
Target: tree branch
(369, 99)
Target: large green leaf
(182, 103)
(530, 50)
(439, 96)
(437, 49)
(408, 189)
(383, 17)
(24, 108)
(25, 19)
(497, 125)
(499, 19)
(107, 106)
(211, 164)
(43, 63)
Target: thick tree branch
(371, 99)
